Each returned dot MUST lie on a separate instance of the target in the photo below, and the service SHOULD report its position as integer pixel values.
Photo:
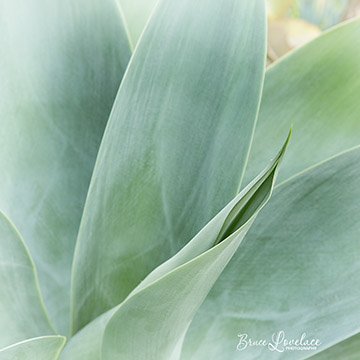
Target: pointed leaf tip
(258, 193)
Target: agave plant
(153, 251)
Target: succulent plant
(136, 139)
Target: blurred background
(292, 23)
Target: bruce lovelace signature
(279, 342)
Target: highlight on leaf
(255, 198)
(135, 145)
(191, 273)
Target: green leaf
(242, 208)
(175, 146)
(274, 282)
(136, 14)
(317, 89)
(152, 324)
(22, 312)
(87, 343)
(297, 271)
(158, 312)
(348, 349)
(41, 348)
(61, 63)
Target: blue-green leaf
(175, 147)
(61, 63)
(316, 88)
(41, 348)
(22, 312)
(158, 312)
(297, 271)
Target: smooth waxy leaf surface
(158, 312)
(87, 343)
(22, 312)
(136, 14)
(317, 89)
(60, 63)
(348, 349)
(297, 271)
(41, 348)
(228, 221)
(320, 99)
(183, 118)
(161, 312)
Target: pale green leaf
(243, 207)
(87, 343)
(61, 63)
(175, 146)
(41, 348)
(297, 271)
(317, 89)
(292, 274)
(158, 316)
(22, 312)
(158, 312)
(136, 14)
(348, 349)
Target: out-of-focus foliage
(292, 23)
(60, 69)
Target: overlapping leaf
(348, 349)
(60, 67)
(183, 118)
(136, 14)
(22, 312)
(41, 348)
(183, 111)
(297, 271)
(158, 312)
(317, 89)
(227, 222)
